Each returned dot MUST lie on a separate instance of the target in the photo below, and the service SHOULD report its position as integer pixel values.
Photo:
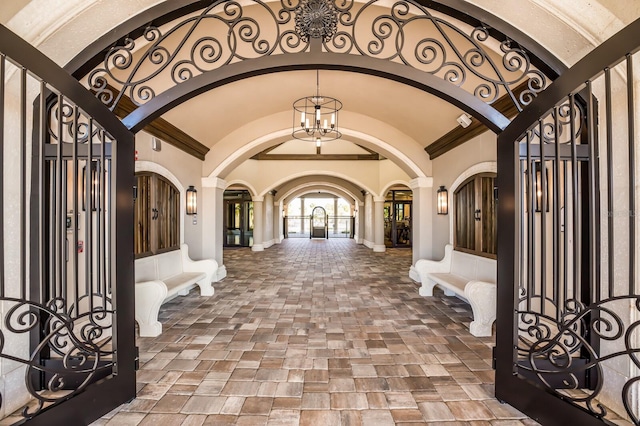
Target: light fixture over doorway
(315, 118)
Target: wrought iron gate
(66, 274)
(568, 339)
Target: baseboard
(368, 244)
(379, 248)
(268, 244)
(257, 247)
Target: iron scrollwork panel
(228, 31)
(550, 348)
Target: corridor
(315, 332)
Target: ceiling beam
(331, 157)
(460, 135)
(164, 130)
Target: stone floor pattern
(315, 332)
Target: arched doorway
(397, 218)
(238, 218)
(319, 223)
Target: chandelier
(315, 118)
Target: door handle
(477, 215)
(155, 214)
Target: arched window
(157, 215)
(475, 218)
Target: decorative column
(212, 218)
(378, 224)
(268, 234)
(335, 215)
(303, 223)
(368, 221)
(258, 223)
(359, 231)
(278, 218)
(423, 209)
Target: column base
(257, 247)
(379, 248)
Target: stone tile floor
(315, 332)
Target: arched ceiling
(421, 116)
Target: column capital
(257, 198)
(214, 182)
(421, 182)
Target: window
(475, 218)
(157, 215)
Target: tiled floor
(315, 332)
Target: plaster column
(368, 221)
(278, 231)
(212, 218)
(268, 234)
(258, 223)
(359, 231)
(335, 215)
(378, 224)
(303, 223)
(422, 218)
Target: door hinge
(493, 357)
(137, 360)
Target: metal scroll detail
(82, 341)
(228, 31)
(316, 19)
(550, 347)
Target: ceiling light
(315, 118)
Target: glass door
(238, 219)
(397, 218)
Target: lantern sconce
(192, 203)
(538, 188)
(93, 194)
(442, 201)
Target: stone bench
(161, 277)
(472, 278)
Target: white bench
(164, 276)
(470, 277)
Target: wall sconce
(94, 195)
(442, 206)
(537, 186)
(192, 203)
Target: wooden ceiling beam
(460, 135)
(164, 130)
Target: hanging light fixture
(315, 118)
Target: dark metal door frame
(540, 355)
(81, 120)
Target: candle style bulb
(302, 119)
